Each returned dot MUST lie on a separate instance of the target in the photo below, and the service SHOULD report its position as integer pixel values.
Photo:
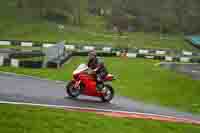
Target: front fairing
(81, 68)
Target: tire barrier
(105, 50)
(57, 63)
(26, 63)
(5, 43)
(46, 45)
(102, 54)
(1, 60)
(26, 44)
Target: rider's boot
(100, 86)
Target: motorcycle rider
(96, 64)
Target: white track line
(93, 109)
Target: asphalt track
(32, 90)
(192, 70)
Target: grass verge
(31, 119)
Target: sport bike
(84, 83)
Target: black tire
(109, 88)
(70, 88)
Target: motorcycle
(84, 83)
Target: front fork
(77, 84)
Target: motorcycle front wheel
(108, 94)
(71, 91)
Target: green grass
(143, 81)
(64, 73)
(15, 26)
(18, 119)
(138, 79)
(49, 32)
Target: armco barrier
(15, 63)
(169, 58)
(159, 52)
(38, 64)
(85, 53)
(26, 63)
(187, 53)
(141, 55)
(5, 43)
(185, 59)
(149, 57)
(159, 57)
(70, 47)
(143, 51)
(105, 48)
(132, 55)
(89, 48)
(195, 60)
(26, 44)
(46, 45)
(31, 64)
